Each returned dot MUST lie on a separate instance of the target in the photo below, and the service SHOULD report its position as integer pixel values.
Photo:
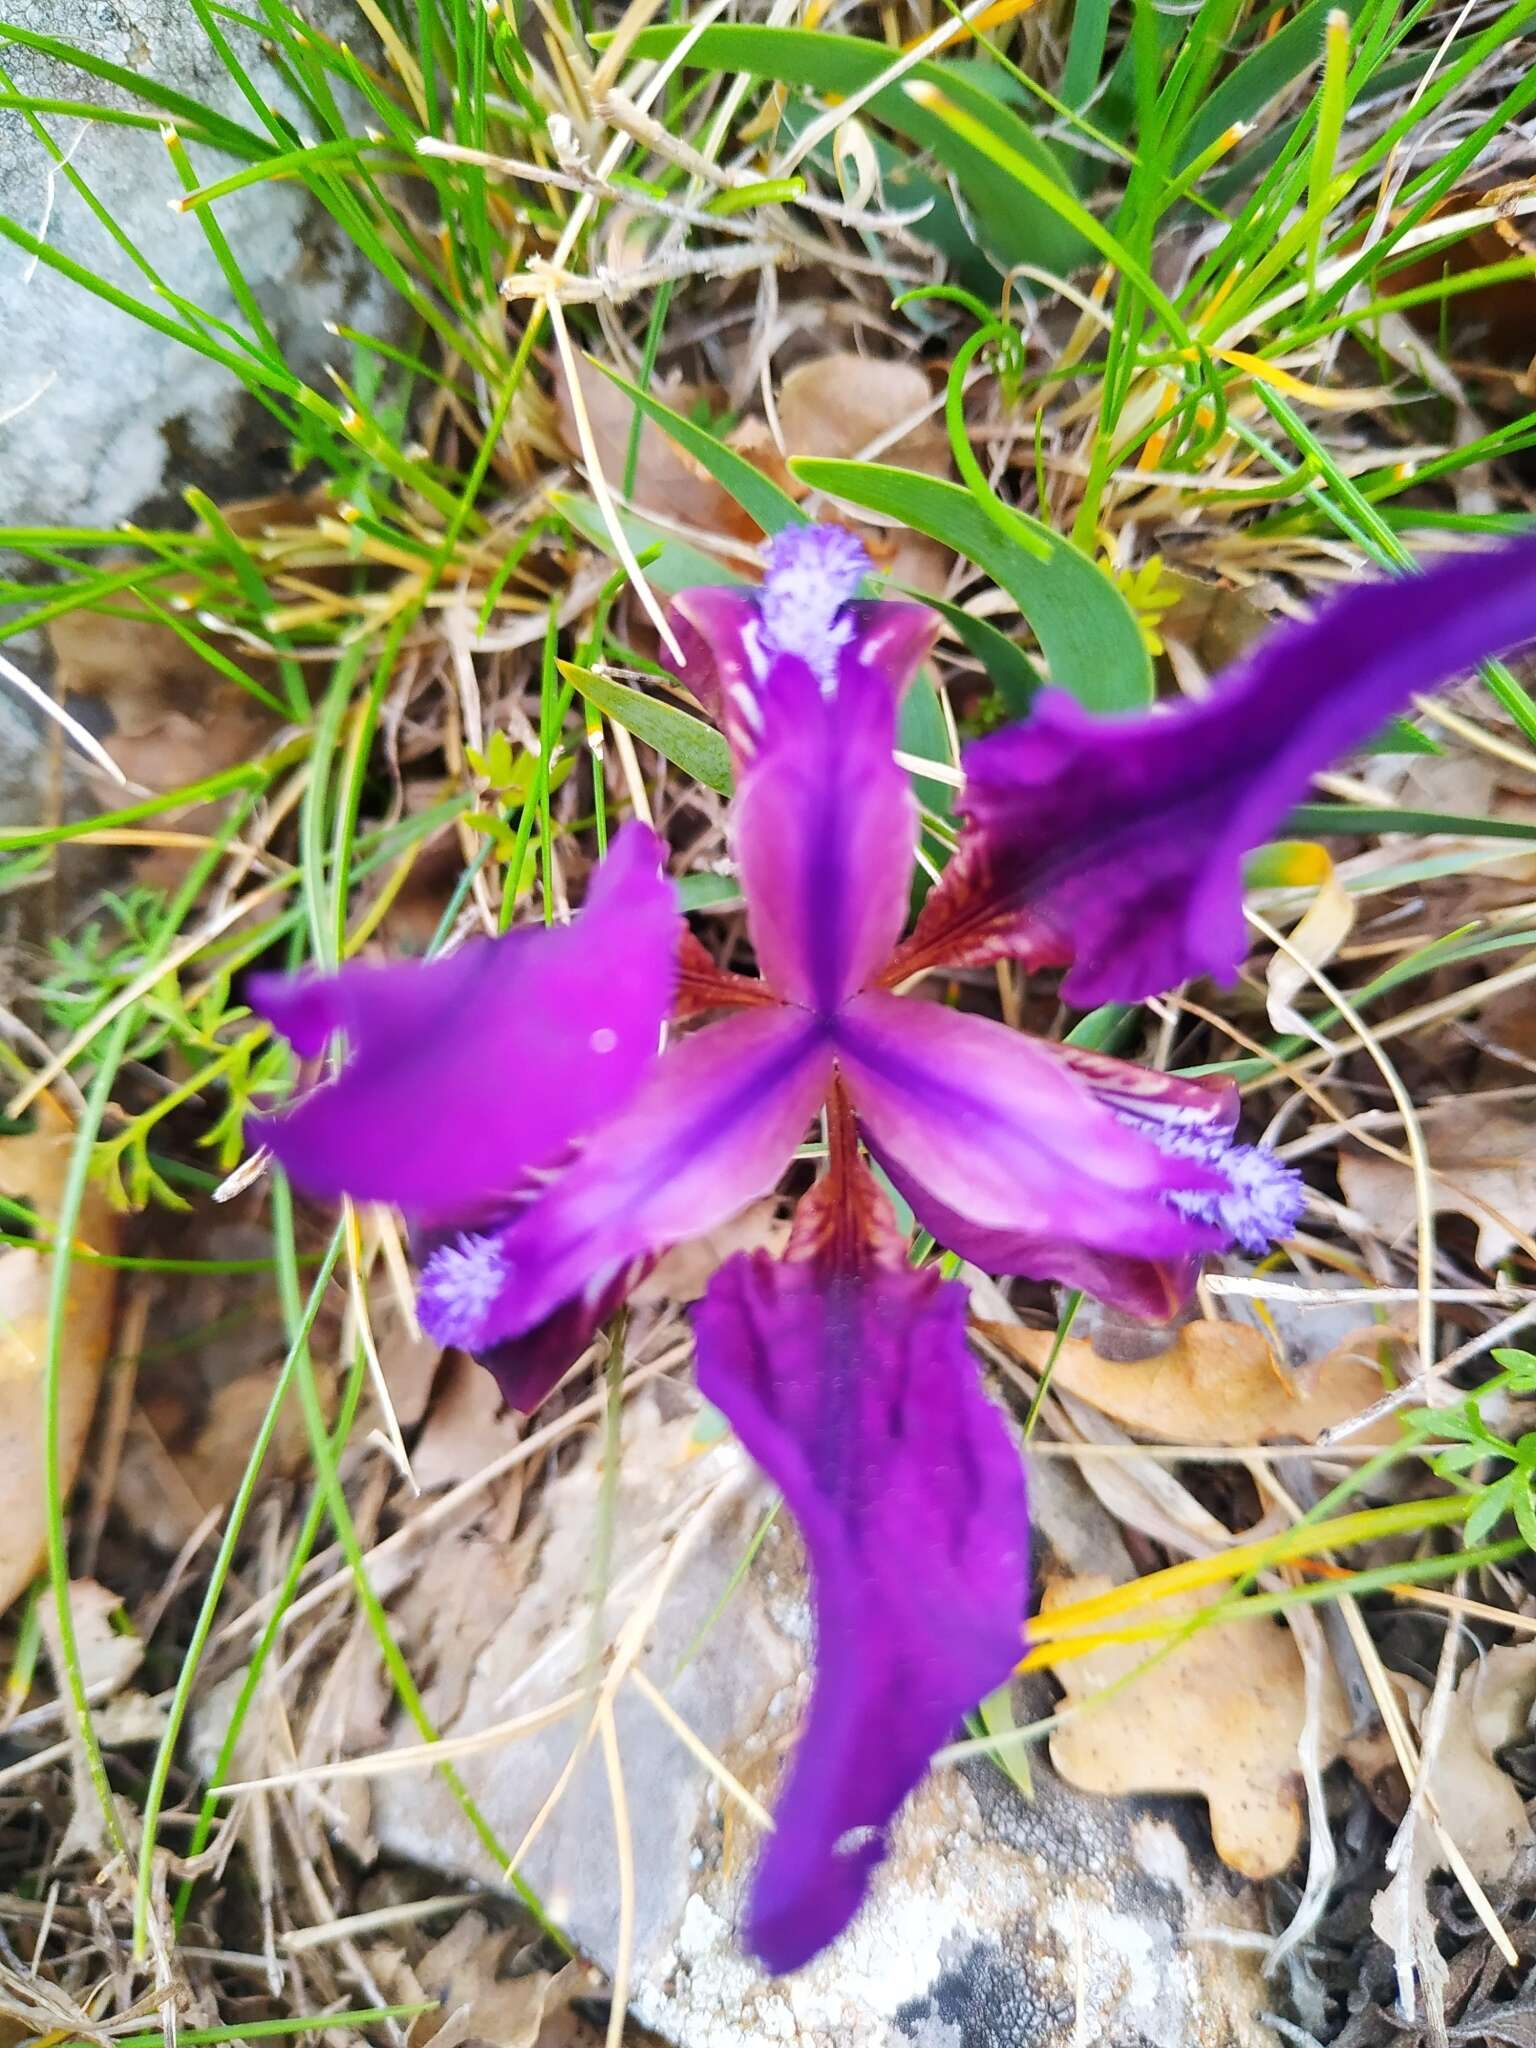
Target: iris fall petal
(993, 1128)
(855, 1392)
(1117, 844)
(464, 1075)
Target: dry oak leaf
(1479, 1802)
(1221, 1715)
(683, 1273)
(1485, 1168)
(107, 1655)
(481, 2000)
(667, 480)
(1217, 1383)
(1495, 318)
(33, 1165)
(842, 405)
(174, 717)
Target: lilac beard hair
(1263, 1198)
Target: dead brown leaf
(108, 1655)
(666, 480)
(33, 1166)
(479, 2003)
(174, 718)
(170, 717)
(1216, 622)
(175, 1472)
(1217, 1383)
(835, 405)
(1221, 1715)
(468, 1424)
(1479, 1802)
(1485, 1169)
(838, 406)
(683, 1273)
(1495, 319)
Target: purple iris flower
(549, 1134)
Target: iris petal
(466, 1074)
(1117, 845)
(711, 1130)
(855, 1392)
(1173, 1112)
(997, 1129)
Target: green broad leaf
(1009, 669)
(707, 892)
(1485, 1516)
(1013, 222)
(908, 184)
(1399, 737)
(676, 567)
(1058, 198)
(757, 495)
(1085, 52)
(923, 730)
(994, 1717)
(1262, 77)
(687, 742)
(1104, 1029)
(1088, 633)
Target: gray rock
(100, 416)
(996, 1921)
(23, 763)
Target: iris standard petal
(857, 1395)
(466, 1074)
(824, 826)
(712, 1129)
(1116, 844)
(824, 822)
(995, 1128)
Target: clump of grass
(1199, 291)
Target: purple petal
(1117, 844)
(994, 1127)
(529, 1368)
(855, 1392)
(712, 1129)
(1173, 1111)
(1154, 1290)
(465, 1075)
(824, 822)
